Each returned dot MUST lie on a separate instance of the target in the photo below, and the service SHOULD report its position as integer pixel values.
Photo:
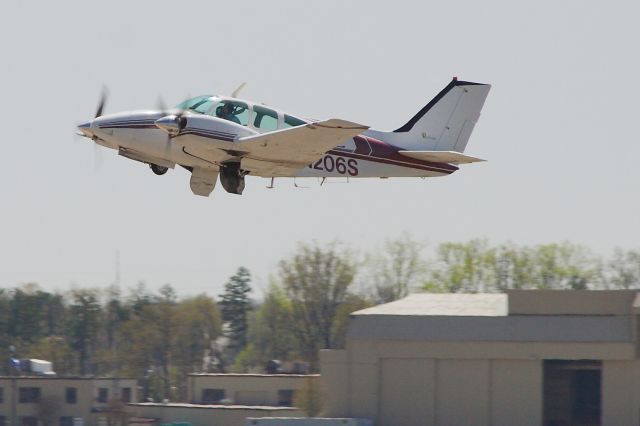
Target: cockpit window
(194, 102)
(265, 118)
(237, 112)
(290, 121)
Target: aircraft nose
(85, 128)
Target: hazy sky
(559, 129)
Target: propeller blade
(161, 105)
(236, 92)
(102, 102)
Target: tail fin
(446, 122)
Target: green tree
(310, 398)
(83, 326)
(235, 306)
(197, 324)
(115, 313)
(340, 324)
(316, 281)
(476, 266)
(462, 267)
(270, 333)
(624, 269)
(564, 266)
(57, 350)
(396, 269)
(33, 314)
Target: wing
(282, 152)
(441, 156)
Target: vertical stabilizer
(446, 122)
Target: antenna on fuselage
(236, 92)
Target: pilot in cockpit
(225, 111)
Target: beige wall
(575, 302)
(405, 364)
(620, 393)
(247, 389)
(516, 392)
(462, 392)
(208, 415)
(429, 391)
(411, 390)
(396, 405)
(334, 381)
(53, 393)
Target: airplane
(225, 137)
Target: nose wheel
(159, 170)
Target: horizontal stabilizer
(453, 157)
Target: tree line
(159, 337)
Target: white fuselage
(135, 135)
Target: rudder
(446, 122)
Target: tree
(316, 281)
(197, 324)
(83, 326)
(340, 325)
(462, 267)
(310, 397)
(476, 266)
(57, 350)
(270, 333)
(235, 305)
(115, 314)
(396, 269)
(624, 269)
(33, 313)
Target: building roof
(250, 375)
(44, 377)
(517, 316)
(212, 407)
(436, 304)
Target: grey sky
(559, 130)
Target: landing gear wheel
(232, 178)
(159, 170)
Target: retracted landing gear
(232, 177)
(159, 170)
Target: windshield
(199, 104)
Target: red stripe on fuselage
(377, 151)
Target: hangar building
(535, 357)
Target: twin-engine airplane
(225, 136)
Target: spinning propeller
(171, 123)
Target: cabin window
(265, 118)
(194, 102)
(234, 111)
(290, 121)
(202, 107)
